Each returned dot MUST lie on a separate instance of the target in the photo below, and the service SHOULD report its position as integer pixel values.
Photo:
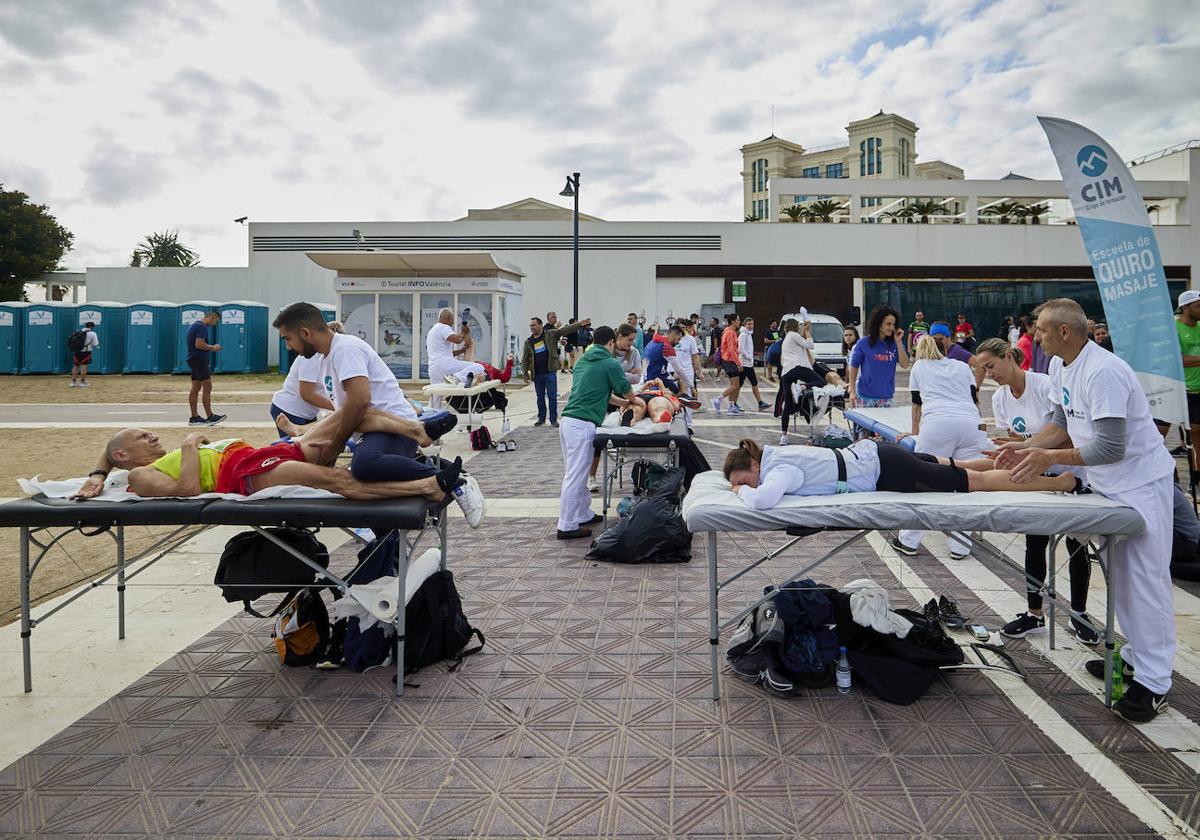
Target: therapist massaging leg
(373, 420)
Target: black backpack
(252, 566)
(76, 341)
(435, 627)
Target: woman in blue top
(873, 360)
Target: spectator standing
(964, 333)
(917, 327)
(940, 333)
(874, 358)
(850, 337)
(540, 362)
(1014, 332)
(1102, 337)
(199, 360)
(1025, 342)
(1187, 325)
(632, 320)
(88, 341)
(746, 358)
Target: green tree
(1005, 211)
(795, 212)
(163, 250)
(925, 209)
(32, 242)
(752, 218)
(823, 211)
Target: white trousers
(456, 368)
(1144, 596)
(948, 437)
(574, 500)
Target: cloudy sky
(129, 116)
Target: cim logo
(1092, 161)
(1066, 396)
(1018, 425)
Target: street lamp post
(571, 190)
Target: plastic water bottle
(843, 672)
(1118, 685)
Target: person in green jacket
(599, 381)
(539, 362)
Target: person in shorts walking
(86, 341)
(199, 361)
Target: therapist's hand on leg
(1034, 462)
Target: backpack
(481, 438)
(252, 566)
(435, 626)
(76, 341)
(302, 630)
(645, 474)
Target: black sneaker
(214, 419)
(554, 423)
(540, 423)
(902, 548)
(1095, 667)
(197, 420)
(1179, 451)
(1023, 625)
(931, 612)
(951, 617)
(578, 533)
(1140, 704)
(1083, 632)
(762, 406)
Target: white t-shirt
(349, 357)
(91, 340)
(945, 386)
(288, 397)
(1014, 335)
(1029, 414)
(684, 350)
(1098, 385)
(795, 351)
(439, 351)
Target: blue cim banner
(1124, 254)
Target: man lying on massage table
(657, 402)
(762, 476)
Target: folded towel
(869, 608)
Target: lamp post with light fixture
(571, 190)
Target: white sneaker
(593, 486)
(449, 379)
(716, 404)
(72, 384)
(783, 440)
(470, 499)
(85, 384)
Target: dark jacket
(552, 338)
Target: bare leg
(995, 480)
(206, 395)
(757, 395)
(1195, 430)
(976, 464)
(74, 372)
(344, 484)
(192, 396)
(83, 373)
(373, 420)
(287, 427)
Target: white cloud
(127, 120)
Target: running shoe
(951, 617)
(1179, 451)
(450, 379)
(1024, 624)
(1083, 632)
(1140, 704)
(197, 420)
(716, 404)
(931, 612)
(1095, 667)
(214, 419)
(736, 409)
(783, 440)
(593, 485)
(437, 423)
(762, 406)
(554, 423)
(540, 423)
(85, 384)
(470, 499)
(72, 384)
(902, 548)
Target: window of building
(835, 170)
(903, 157)
(862, 158)
(811, 172)
(758, 172)
(870, 156)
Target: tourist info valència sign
(1124, 253)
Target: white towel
(869, 608)
(645, 426)
(116, 489)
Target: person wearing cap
(940, 332)
(1187, 325)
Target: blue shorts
(299, 421)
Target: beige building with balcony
(883, 146)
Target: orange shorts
(239, 464)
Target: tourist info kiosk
(390, 301)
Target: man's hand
(92, 487)
(1008, 454)
(1034, 462)
(194, 439)
(216, 347)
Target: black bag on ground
(654, 531)
(435, 627)
(252, 566)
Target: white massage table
(472, 394)
(619, 444)
(43, 521)
(710, 506)
(888, 423)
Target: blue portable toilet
(47, 327)
(12, 333)
(151, 338)
(242, 335)
(286, 357)
(187, 314)
(112, 323)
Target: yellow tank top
(210, 462)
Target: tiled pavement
(587, 715)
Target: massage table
(620, 444)
(43, 521)
(888, 423)
(711, 506)
(473, 395)
(808, 403)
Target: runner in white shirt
(1023, 405)
(945, 421)
(1102, 421)
(439, 347)
(688, 351)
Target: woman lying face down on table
(763, 475)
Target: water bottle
(1118, 685)
(843, 672)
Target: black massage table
(44, 521)
(618, 446)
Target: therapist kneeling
(1101, 410)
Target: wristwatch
(101, 473)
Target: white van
(827, 335)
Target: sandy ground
(24, 453)
(134, 389)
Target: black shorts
(748, 375)
(1194, 408)
(84, 358)
(901, 471)
(199, 369)
(733, 370)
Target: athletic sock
(447, 479)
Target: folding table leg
(398, 621)
(442, 538)
(120, 581)
(26, 627)
(1109, 620)
(1049, 587)
(605, 489)
(713, 633)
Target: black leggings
(785, 406)
(1035, 566)
(380, 456)
(901, 471)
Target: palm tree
(796, 212)
(1032, 212)
(904, 214)
(752, 218)
(1153, 208)
(925, 209)
(1005, 210)
(823, 211)
(164, 249)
